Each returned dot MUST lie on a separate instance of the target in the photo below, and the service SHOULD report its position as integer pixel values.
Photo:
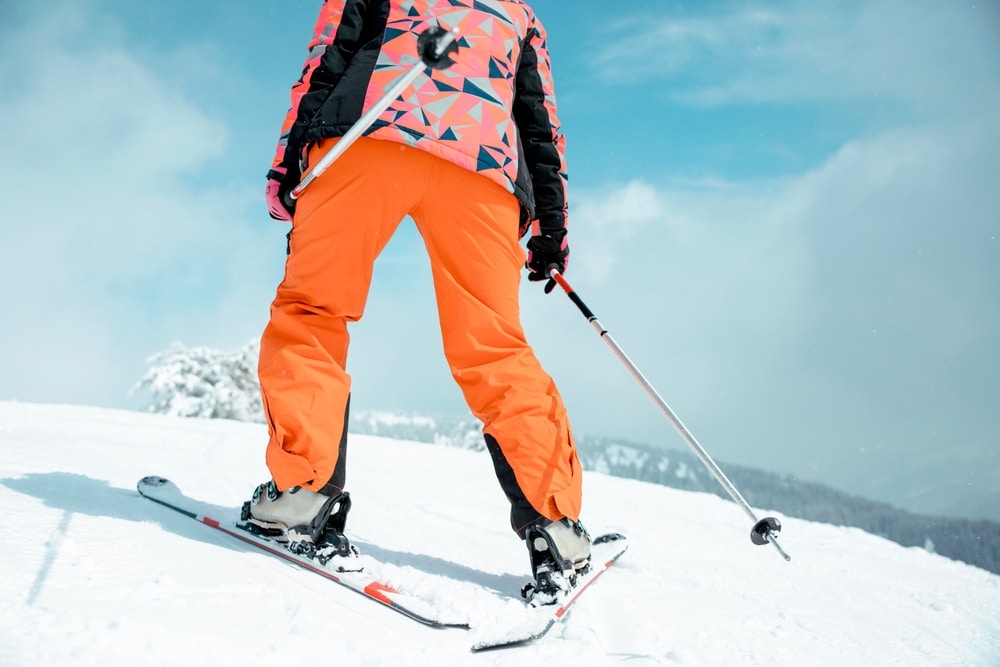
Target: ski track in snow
(95, 575)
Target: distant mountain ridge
(976, 542)
(961, 480)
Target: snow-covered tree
(204, 382)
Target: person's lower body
(470, 228)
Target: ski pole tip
(774, 542)
(766, 531)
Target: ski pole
(764, 530)
(434, 45)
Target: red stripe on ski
(576, 593)
(557, 614)
(375, 591)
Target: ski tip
(152, 482)
(610, 545)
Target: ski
(495, 621)
(166, 493)
(537, 621)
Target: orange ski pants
(470, 228)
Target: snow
(95, 575)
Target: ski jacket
(493, 111)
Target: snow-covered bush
(204, 382)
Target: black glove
(547, 249)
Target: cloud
(613, 218)
(921, 54)
(110, 240)
(833, 323)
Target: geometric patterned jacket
(492, 112)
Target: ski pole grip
(435, 46)
(553, 271)
(554, 274)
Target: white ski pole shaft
(764, 530)
(369, 117)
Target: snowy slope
(95, 575)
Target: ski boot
(307, 523)
(559, 552)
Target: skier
(475, 155)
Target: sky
(785, 213)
